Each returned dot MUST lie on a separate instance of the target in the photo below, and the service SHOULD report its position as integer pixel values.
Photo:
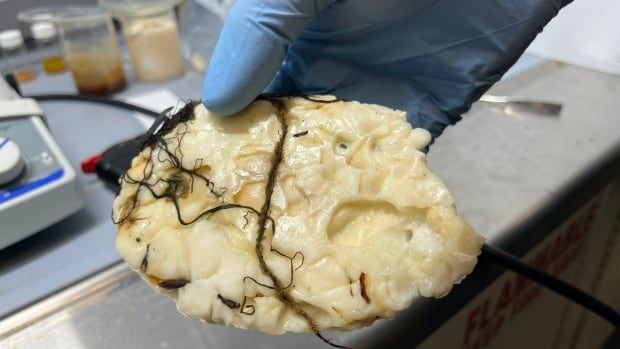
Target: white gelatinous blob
(367, 225)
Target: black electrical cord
(551, 282)
(94, 99)
(493, 254)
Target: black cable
(12, 82)
(94, 99)
(498, 256)
(515, 264)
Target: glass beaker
(91, 50)
(28, 17)
(152, 37)
(48, 45)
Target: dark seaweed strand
(145, 260)
(173, 198)
(264, 211)
(183, 115)
(161, 119)
(175, 188)
(146, 173)
(228, 302)
(176, 183)
(177, 163)
(173, 284)
(258, 282)
(291, 259)
(246, 219)
(249, 306)
(363, 288)
(156, 139)
(264, 215)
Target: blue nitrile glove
(431, 58)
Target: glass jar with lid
(152, 37)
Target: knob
(11, 161)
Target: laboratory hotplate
(38, 186)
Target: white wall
(586, 33)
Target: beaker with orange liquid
(91, 50)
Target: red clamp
(89, 165)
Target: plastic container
(15, 57)
(48, 46)
(152, 37)
(200, 23)
(91, 50)
(28, 17)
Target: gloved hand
(430, 58)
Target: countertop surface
(500, 168)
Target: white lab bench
(516, 178)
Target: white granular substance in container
(154, 49)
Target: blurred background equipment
(200, 23)
(151, 36)
(159, 36)
(15, 58)
(30, 16)
(91, 50)
(9, 9)
(48, 45)
(38, 186)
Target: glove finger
(251, 48)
